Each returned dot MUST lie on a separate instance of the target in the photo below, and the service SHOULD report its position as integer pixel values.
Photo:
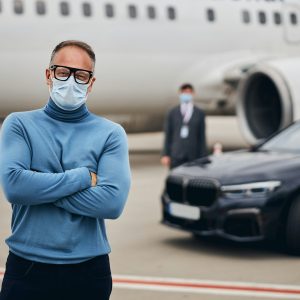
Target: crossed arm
(24, 186)
(70, 190)
(107, 199)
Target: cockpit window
(40, 7)
(18, 7)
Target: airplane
(242, 56)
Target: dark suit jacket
(184, 149)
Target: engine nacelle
(268, 98)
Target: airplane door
(291, 20)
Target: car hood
(243, 166)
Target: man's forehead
(187, 90)
(74, 57)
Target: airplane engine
(268, 98)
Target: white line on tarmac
(221, 288)
(207, 287)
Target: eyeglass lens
(63, 74)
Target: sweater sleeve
(107, 199)
(23, 186)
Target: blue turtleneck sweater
(45, 159)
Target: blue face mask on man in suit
(185, 98)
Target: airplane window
(18, 7)
(294, 19)
(277, 18)
(151, 12)
(132, 11)
(210, 15)
(109, 10)
(0, 6)
(246, 16)
(64, 8)
(40, 7)
(86, 9)
(262, 18)
(171, 13)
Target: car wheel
(293, 227)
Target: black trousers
(28, 280)
(175, 162)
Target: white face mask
(68, 95)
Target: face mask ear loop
(51, 80)
(50, 86)
(87, 90)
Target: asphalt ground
(151, 261)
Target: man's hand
(93, 178)
(165, 161)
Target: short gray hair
(74, 43)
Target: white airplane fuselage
(140, 61)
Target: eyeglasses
(63, 73)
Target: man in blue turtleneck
(64, 170)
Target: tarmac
(150, 261)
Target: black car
(246, 195)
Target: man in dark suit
(184, 131)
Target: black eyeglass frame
(72, 71)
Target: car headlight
(254, 189)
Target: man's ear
(48, 77)
(91, 85)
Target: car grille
(174, 188)
(198, 192)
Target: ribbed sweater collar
(55, 112)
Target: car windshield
(286, 141)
